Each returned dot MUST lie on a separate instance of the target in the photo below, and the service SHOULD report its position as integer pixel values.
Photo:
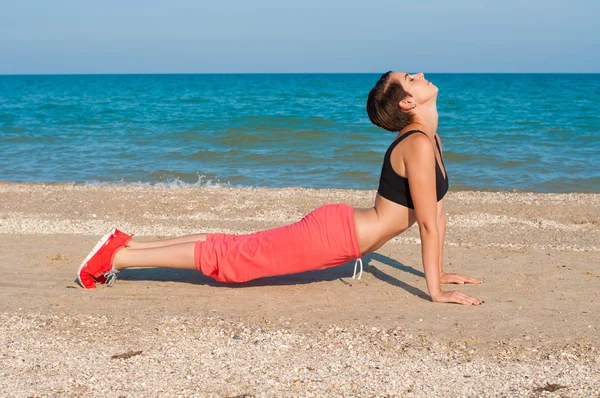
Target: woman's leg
(180, 255)
(168, 253)
(166, 242)
(325, 237)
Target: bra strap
(402, 137)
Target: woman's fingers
(455, 296)
(459, 279)
(465, 299)
(467, 279)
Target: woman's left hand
(458, 279)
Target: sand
(176, 333)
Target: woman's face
(417, 86)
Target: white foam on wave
(202, 182)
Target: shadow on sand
(343, 273)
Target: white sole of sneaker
(100, 243)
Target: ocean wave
(28, 138)
(173, 182)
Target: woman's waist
(378, 224)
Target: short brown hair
(382, 104)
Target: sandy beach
(173, 333)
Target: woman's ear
(407, 104)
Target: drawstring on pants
(358, 261)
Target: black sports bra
(395, 187)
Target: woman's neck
(426, 118)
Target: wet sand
(317, 333)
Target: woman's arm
(444, 277)
(441, 221)
(419, 161)
(420, 170)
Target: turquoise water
(530, 132)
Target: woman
(411, 189)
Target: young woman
(412, 187)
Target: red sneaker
(97, 266)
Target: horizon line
(288, 73)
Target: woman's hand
(458, 279)
(454, 296)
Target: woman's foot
(98, 265)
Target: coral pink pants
(324, 238)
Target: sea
(500, 132)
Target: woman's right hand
(454, 296)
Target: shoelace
(111, 277)
(358, 261)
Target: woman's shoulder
(418, 148)
(414, 142)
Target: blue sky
(256, 36)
